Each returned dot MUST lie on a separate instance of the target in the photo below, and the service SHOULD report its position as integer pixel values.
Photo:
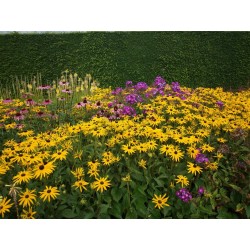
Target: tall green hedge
(192, 58)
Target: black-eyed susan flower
(49, 193)
(207, 148)
(176, 154)
(194, 169)
(160, 201)
(129, 149)
(42, 170)
(5, 206)
(78, 173)
(28, 214)
(101, 184)
(59, 155)
(23, 176)
(183, 180)
(81, 185)
(27, 198)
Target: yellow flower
(160, 201)
(5, 206)
(22, 176)
(43, 170)
(126, 178)
(183, 180)
(49, 192)
(128, 149)
(60, 154)
(192, 168)
(176, 154)
(27, 198)
(28, 214)
(78, 173)
(142, 164)
(207, 147)
(81, 184)
(101, 184)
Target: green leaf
(235, 187)
(160, 183)
(131, 214)
(69, 214)
(88, 215)
(207, 210)
(103, 208)
(248, 212)
(116, 193)
(116, 210)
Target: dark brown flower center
(101, 182)
(27, 196)
(23, 174)
(41, 167)
(48, 191)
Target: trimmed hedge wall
(191, 58)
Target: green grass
(206, 59)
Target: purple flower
(220, 104)
(201, 158)
(127, 110)
(129, 84)
(159, 82)
(141, 86)
(117, 91)
(133, 98)
(201, 191)
(184, 195)
(63, 83)
(176, 87)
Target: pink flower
(24, 111)
(30, 102)
(68, 91)
(7, 100)
(41, 114)
(18, 117)
(63, 83)
(47, 102)
(44, 87)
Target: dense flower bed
(140, 151)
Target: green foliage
(192, 58)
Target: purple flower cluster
(133, 98)
(176, 87)
(117, 91)
(159, 82)
(141, 86)
(129, 84)
(184, 195)
(201, 158)
(127, 110)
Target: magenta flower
(184, 195)
(7, 100)
(24, 111)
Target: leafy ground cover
(158, 150)
(208, 59)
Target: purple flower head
(129, 84)
(176, 87)
(159, 82)
(117, 91)
(127, 110)
(220, 104)
(151, 93)
(201, 158)
(141, 86)
(201, 191)
(133, 98)
(184, 195)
